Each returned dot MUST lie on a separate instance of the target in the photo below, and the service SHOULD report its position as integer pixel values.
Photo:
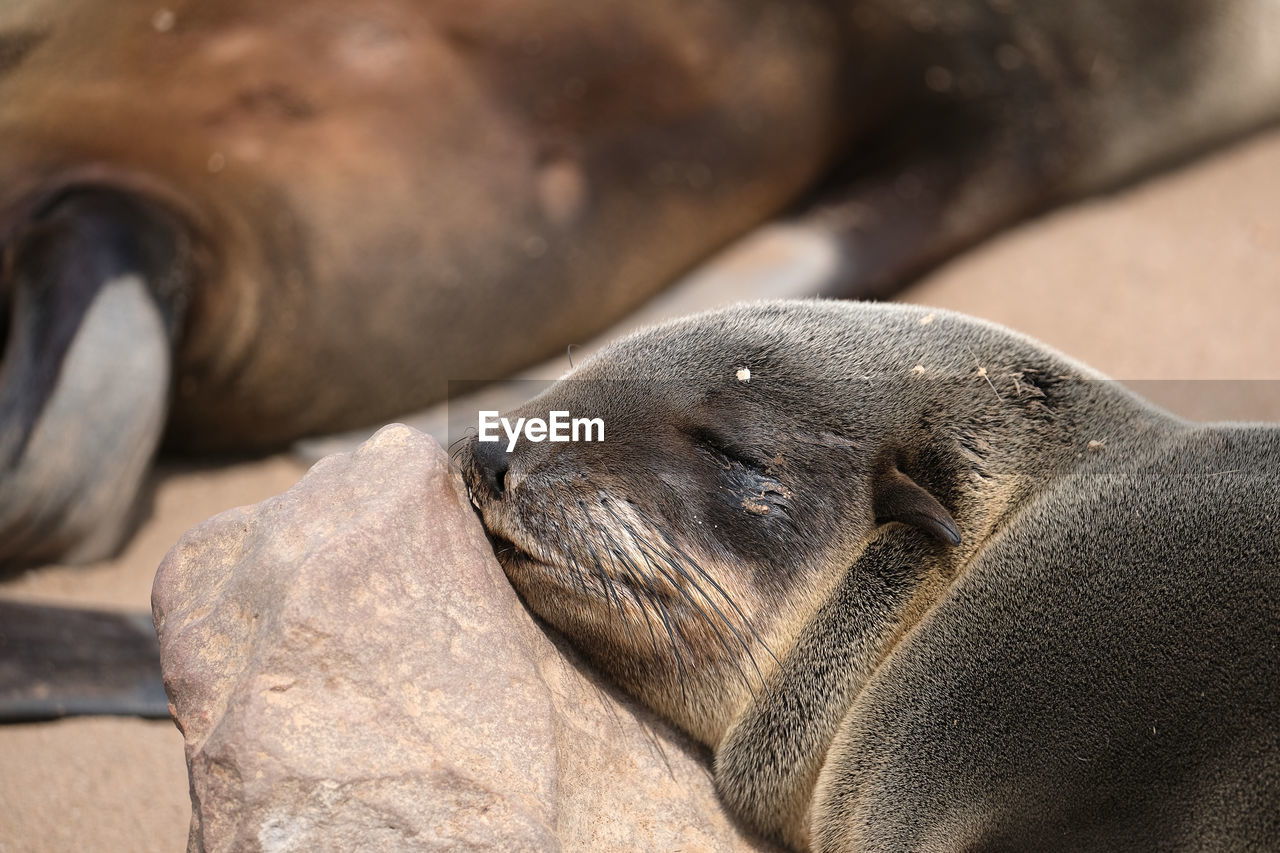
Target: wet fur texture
(768, 561)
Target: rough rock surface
(351, 671)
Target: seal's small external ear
(898, 498)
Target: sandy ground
(1175, 279)
(104, 783)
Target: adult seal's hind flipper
(90, 297)
(58, 662)
(988, 113)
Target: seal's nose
(492, 461)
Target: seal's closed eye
(721, 445)
(899, 498)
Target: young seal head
(786, 497)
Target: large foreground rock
(351, 671)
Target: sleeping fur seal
(920, 582)
(255, 222)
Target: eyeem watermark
(560, 427)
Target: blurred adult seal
(920, 582)
(252, 222)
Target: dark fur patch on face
(16, 46)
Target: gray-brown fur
(1093, 666)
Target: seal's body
(311, 216)
(919, 581)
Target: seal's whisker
(466, 434)
(455, 455)
(544, 554)
(631, 567)
(746, 647)
(591, 550)
(982, 373)
(604, 538)
(644, 548)
(673, 547)
(711, 623)
(611, 594)
(456, 451)
(643, 590)
(675, 647)
(647, 587)
(570, 553)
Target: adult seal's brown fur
(920, 582)
(302, 217)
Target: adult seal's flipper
(58, 662)
(90, 295)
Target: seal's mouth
(504, 544)
(598, 571)
(498, 517)
(506, 550)
(542, 560)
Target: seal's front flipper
(91, 291)
(58, 662)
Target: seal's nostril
(492, 460)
